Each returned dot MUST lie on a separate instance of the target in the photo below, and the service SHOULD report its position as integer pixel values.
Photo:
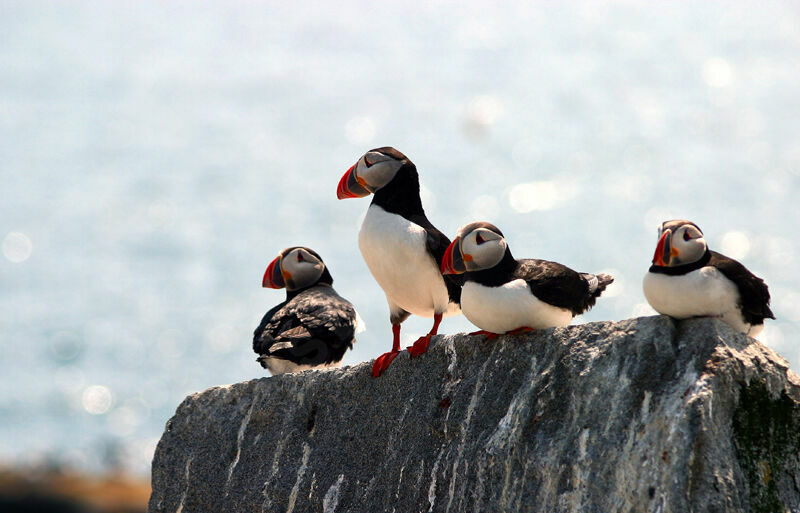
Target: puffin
(314, 327)
(689, 280)
(400, 246)
(503, 295)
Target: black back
(753, 292)
(553, 283)
(315, 326)
(401, 196)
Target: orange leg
(383, 361)
(421, 345)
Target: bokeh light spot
(96, 399)
(735, 244)
(717, 72)
(17, 247)
(541, 195)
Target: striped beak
(663, 253)
(273, 278)
(453, 260)
(350, 187)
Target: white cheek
(379, 174)
(489, 254)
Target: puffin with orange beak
(314, 326)
(401, 247)
(504, 295)
(689, 280)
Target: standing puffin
(402, 249)
(314, 326)
(502, 294)
(689, 280)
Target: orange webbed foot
(382, 363)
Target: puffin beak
(664, 251)
(453, 260)
(350, 187)
(272, 277)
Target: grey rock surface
(641, 415)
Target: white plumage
(703, 292)
(395, 252)
(508, 307)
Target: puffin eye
(686, 235)
(299, 256)
(480, 240)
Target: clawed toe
(420, 346)
(382, 363)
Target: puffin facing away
(402, 249)
(689, 280)
(505, 295)
(314, 326)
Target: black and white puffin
(505, 295)
(314, 326)
(689, 280)
(401, 247)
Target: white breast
(280, 366)
(508, 307)
(394, 250)
(704, 292)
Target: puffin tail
(597, 284)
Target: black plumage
(753, 292)
(314, 326)
(551, 282)
(401, 197)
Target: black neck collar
(495, 276)
(682, 269)
(401, 195)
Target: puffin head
(296, 268)
(375, 169)
(477, 246)
(679, 242)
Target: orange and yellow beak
(273, 278)
(453, 260)
(350, 186)
(664, 250)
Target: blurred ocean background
(155, 156)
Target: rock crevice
(641, 415)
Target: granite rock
(646, 414)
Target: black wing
(315, 327)
(436, 243)
(753, 292)
(558, 285)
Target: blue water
(156, 156)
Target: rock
(641, 415)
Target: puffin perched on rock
(689, 280)
(314, 326)
(401, 247)
(504, 295)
